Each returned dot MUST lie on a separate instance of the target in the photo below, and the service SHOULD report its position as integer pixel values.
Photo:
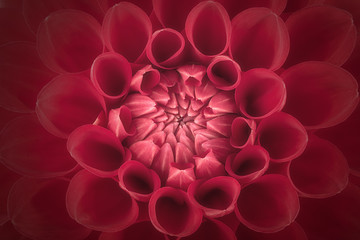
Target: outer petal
(96, 149)
(143, 4)
(67, 102)
(145, 80)
(28, 149)
(69, 41)
(7, 180)
(310, 28)
(127, 19)
(111, 75)
(328, 174)
(37, 209)
(99, 203)
(269, 204)
(259, 39)
(208, 20)
(320, 95)
(137, 231)
(216, 197)
(242, 132)
(22, 76)
(233, 7)
(120, 122)
(172, 213)
(260, 93)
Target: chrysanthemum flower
(178, 120)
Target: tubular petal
(250, 163)
(172, 213)
(22, 76)
(320, 95)
(37, 210)
(269, 204)
(224, 73)
(111, 75)
(242, 132)
(212, 229)
(67, 102)
(208, 20)
(127, 19)
(138, 231)
(282, 136)
(233, 7)
(216, 197)
(260, 93)
(99, 203)
(328, 174)
(120, 122)
(28, 149)
(69, 40)
(139, 181)
(208, 166)
(220, 146)
(166, 57)
(145, 80)
(259, 39)
(320, 33)
(97, 150)
(181, 175)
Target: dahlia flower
(179, 120)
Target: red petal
(144, 151)
(220, 146)
(260, 93)
(145, 5)
(328, 174)
(233, 7)
(181, 175)
(320, 95)
(216, 196)
(212, 229)
(208, 29)
(259, 39)
(138, 231)
(171, 55)
(139, 181)
(67, 102)
(37, 209)
(127, 19)
(320, 33)
(99, 203)
(7, 231)
(96, 149)
(120, 122)
(69, 41)
(269, 204)
(7, 180)
(208, 166)
(22, 76)
(145, 80)
(28, 149)
(172, 213)
(111, 75)
(242, 132)
(295, 5)
(249, 164)
(205, 91)
(282, 136)
(224, 73)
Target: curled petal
(127, 19)
(208, 20)
(208, 166)
(220, 146)
(166, 57)
(172, 213)
(260, 93)
(216, 196)
(282, 136)
(222, 102)
(233, 7)
(111, 75)
(22, 76)
(66, 103)
(224, 73)
(99, 203)
(310, 28)
(97, 149)
(259, 39)
(145, 80)
(192, 74)
(319, 94)
(139, 181)
(145, 5)
(212, 229)
(120, 122)
(69, 41)
(137, 231)
(28, 149)
(37, 209)
(328, 174)
(205, 91)
(249, 164)
(181, 175)
(140, 105)
(269, 204)
(242, 132)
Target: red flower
(179, 120)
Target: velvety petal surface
(233, 7)
(7, 180)
(242, 132)
(120, 122)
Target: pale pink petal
(162, 161)
(144, 151)
(181, 175)
(220, 146)
(221, 124)
(140, 105)
(208, 166)
(223, 102)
